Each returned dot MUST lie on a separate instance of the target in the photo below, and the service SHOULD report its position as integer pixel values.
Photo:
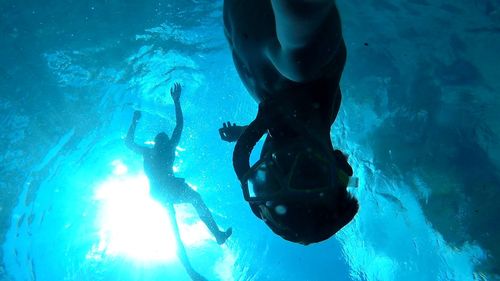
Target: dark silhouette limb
(194, 198)
(129, 139)
(175, 92)
(181, 250)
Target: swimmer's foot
(223, 235)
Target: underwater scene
(86, 86)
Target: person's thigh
(174, 190)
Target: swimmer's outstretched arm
(129, 139)
(308, 37)
(175, 92)
(246, 143)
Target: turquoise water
(419, 120)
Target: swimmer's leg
(181, 251)
(191, 196)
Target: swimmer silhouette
(290, 55)
(164, 186)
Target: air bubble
(280, 210)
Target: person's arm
(129, 139)
(245, 144)
(175, 92)
(308, 37)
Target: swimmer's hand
(137, 116)
(231, 132)
(175, 92)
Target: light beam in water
(133, 225)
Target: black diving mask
(296, 172)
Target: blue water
(419, 120)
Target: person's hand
(230, 132)
(175, 92)
(137, 115)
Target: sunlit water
(76, 203)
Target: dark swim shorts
(173, 190)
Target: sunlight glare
(119, 167)
(134, 225)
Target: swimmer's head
(161, 141)
(309, 221)
(301, 192)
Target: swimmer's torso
(248, 40)
(159, 166)
(251, 32)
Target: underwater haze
(420, 121)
